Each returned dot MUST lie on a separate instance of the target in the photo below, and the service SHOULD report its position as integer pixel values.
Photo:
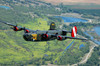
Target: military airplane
(39, 35)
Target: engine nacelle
(26, 31)
(15, 28)
(48, 36)
(45, 36)
(61, 38)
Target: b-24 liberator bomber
(51, 34)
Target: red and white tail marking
(74, 31)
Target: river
(97, 30)
(6, 7)
(72, 19)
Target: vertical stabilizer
(74, 31)
(52, 26)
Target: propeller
(45, 36)
(59, 38)
(26, 30)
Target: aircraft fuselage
(39, 35)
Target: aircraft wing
(16, 28)
(75, 38)
(59, 37)
(7, 23)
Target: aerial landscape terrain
(38, 15)
(70, 2)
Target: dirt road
(88, 55)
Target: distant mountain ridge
(68, 2)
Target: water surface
(97, 30)
(72, 19)
(82, 45)
(6, 7)
(92, 38)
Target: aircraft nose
(27, 37)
